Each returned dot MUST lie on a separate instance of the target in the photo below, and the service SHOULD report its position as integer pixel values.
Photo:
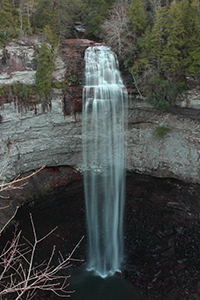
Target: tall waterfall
(104, 102)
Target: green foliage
(170, 45)
(159, 44)
(59, 16)
(2, 91)
(57, 85)
(24, 92)
(50, 37)
(160, 93)
(44, 70)
(94, 14)
(160, 132)
(7, 34)
(137, 16)
(16, 88)
(168, 52)
(46, 15)
(7, 19)
(68, 12)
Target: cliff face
(34, 140)
(55, 140)
(52, 139)
(176, 155)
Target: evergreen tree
(44, 70)
(46, 14)
(6, 15)
(155, 40)
(94, 13)
(192, 60)
(178, 32)
(137, 16)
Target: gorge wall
(53, 139)
(176, 155)
(50, 138)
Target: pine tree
(156, 42)
(192, 60)
(44, 70)
(137, 16)
(173, 52)
(94, 13)
(6, 15)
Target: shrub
(24, 93)
(160, 93)
(161, 131)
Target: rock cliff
(176, 155)
(55, 140)
(34, 140)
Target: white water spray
(104, 102)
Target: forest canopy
(158, 41)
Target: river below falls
(161, 232)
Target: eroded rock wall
(176, 155)
(34, 140)
(53, 139)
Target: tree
(115, 30)
(46, 14)
(68, 12)
(137, 17)
(20, 277)
(192, 60)
(44, 70)
(94, 14)
(176, 43)
(6, 15)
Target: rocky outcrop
(18, 62)
(190, 99)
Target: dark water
(87, 286)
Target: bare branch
(18, 275)
(26, 279)
(10, 185)
(2, 229)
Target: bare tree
(18, 274)
(115, 29)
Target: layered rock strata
(53, 139)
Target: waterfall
(104, 102)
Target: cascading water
(104, 102)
